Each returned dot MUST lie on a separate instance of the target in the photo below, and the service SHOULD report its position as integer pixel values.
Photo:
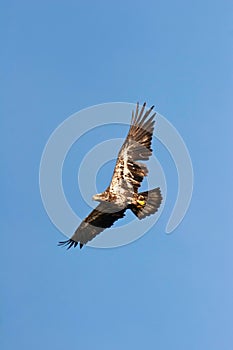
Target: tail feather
(148, 203)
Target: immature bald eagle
(122, 193)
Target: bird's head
(99, 197)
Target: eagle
(128, 174)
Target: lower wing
(102, 217)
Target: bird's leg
(141, 200)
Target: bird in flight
(122, 193)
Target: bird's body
(122, 193)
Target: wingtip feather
(69, 243)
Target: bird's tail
(147, 203)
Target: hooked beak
(95, 197)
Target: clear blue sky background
(161, 292)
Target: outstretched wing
(102, 217)
(128, 173)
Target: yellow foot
(141, 202)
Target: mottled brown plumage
(122, 193)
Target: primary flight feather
(122, 193)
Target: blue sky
(163, 291)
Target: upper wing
(102, 217)
(128, 173)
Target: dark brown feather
(102, 217)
